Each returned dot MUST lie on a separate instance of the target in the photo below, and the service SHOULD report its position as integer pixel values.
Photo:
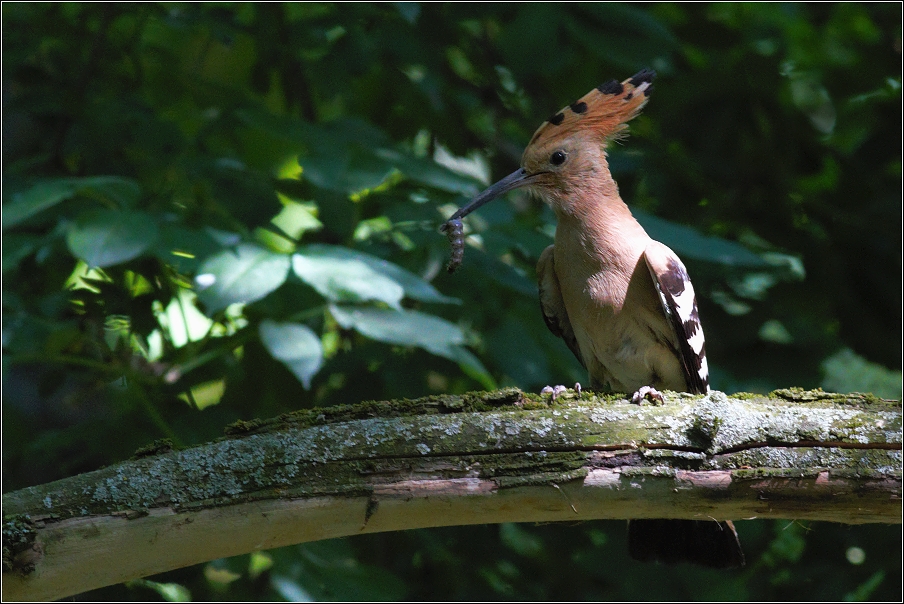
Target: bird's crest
(604, 110)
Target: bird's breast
(623, 336)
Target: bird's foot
(647, 392)
(553, 391)
(557, 391)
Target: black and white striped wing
(680, 306)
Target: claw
(554, 392)
(646, 392)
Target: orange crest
(604, 110)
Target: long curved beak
(518, 178)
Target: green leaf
(296, 346)
(520, 540)
(170, 592)
(530, 365)
(345, 279)
(414, 287)
(863, 591)
(183, 247)
(689, 243)
(246, 193)
(123, 191)
(429, 173)
(295, 219)
(290, 589)
(408, 10)
(182, 321)
(17, 247)
(483, 265)
(413, 328)
(351, 155)
(402, 327)
(632, 20)
(107, 237)
(346, 170)
(846, 371)
(41, 196)
(787, 547)
(337, 134)
(330, 571)
(245, 274)
(48, 193)
(472, 366)
(811, 97)
(258, 563)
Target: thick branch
(454, 460)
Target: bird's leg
(646, 392)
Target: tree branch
(502, 456)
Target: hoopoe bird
(622, 302)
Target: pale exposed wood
(436, 462)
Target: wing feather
(680, 307)
(551, 303)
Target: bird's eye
(557, 158)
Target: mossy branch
(452, 460)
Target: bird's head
(566, 155)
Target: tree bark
(502, 456)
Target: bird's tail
(704, 542)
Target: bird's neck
(601, 229)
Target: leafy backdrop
(225, 211)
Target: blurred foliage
(224, 211)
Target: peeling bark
(502, 456)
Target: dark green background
(769, 158)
